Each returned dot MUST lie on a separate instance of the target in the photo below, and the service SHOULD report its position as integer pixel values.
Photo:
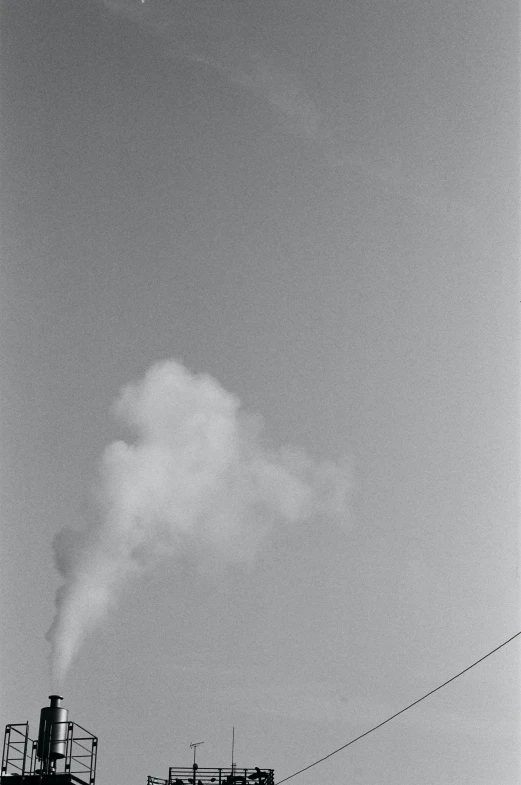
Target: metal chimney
(52, 734)
(63, 754)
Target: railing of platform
(215, 776)
(81, 749)
(219, 776)
(17, 751)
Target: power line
(367, 732)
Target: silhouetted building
(63, 754)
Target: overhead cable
(392, 717)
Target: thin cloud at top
(218, 35)
(221, 36)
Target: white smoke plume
(197, 478)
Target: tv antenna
(194, 746)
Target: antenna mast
(194, 746)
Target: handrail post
(25, 749)
(5, 753)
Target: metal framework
(78, 764)
(19, 750)
(225, 776)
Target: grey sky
(316, 204)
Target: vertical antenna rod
(194, 746)
(233, 744)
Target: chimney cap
(55, 699)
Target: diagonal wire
(392, 717)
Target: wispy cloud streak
(220, 36)
(216, 36)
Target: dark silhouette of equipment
(63, 754)
(223, 776)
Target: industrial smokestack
(64, 753)
(52, 734)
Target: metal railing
(222, 776)
(17, 751)
(79, 759)
(81, 749)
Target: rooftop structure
(63, 754)
(193, 775)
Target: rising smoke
(197, 478)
